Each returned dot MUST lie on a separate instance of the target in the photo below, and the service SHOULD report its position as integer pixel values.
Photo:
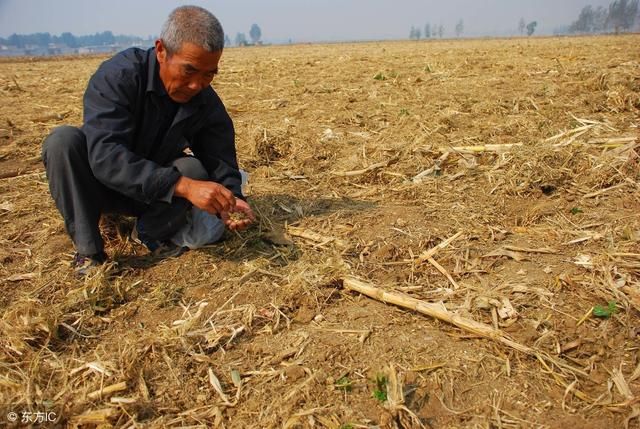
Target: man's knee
(191, 167)
(63, 142)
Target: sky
(295, 20)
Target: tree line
(105, 38)
(429, 31)
(621, 15)
(432, 31)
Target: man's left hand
(233, 222)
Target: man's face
(188, 71)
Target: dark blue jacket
(126, 113)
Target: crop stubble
(364, 159)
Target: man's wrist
(181, 188)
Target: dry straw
(488, 184)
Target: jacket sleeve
(214, 146)
(110, 102)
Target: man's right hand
(211, 197)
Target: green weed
(380, 393)
(605, 312)
(344, 383)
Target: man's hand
(211, 197)
(240, 217)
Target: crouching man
(156, 143)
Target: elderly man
(156, 141)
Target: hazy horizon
(284, 20)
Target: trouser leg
(78, 195)
(162, 220)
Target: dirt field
(491, 186)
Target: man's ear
(161, 51)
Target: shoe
(168, 249)
(158, 248)
(86, 265)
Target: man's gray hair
(192, 24)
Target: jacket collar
(154, 84)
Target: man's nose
(198, 84)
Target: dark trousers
(82, 199)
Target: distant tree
(255, 33)
(585, 22)
(227, 41)
(42, 39)
(531, 27)
(16, 40)
(591, 20)
(441, 31)
(124, 40)
(241, 39)
(622, 14)
(633, 13)
(600, 19)
(69, 40)
(427, 31)
(98, 39)
(106, 38)
(415, 33)
(522, 25)
(459, 28)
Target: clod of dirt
(294, 372)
